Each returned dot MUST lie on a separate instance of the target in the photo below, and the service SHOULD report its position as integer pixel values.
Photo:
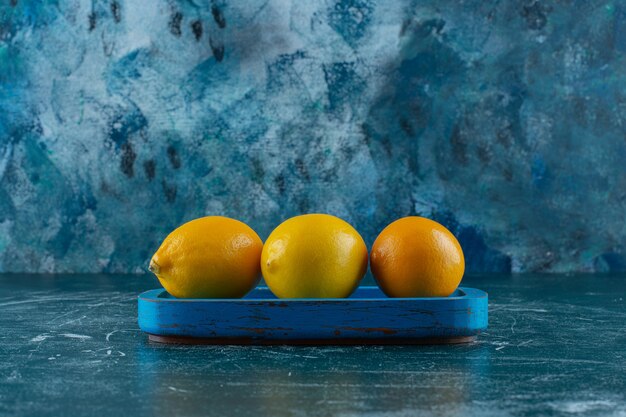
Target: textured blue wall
(504, 120)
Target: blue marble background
(504, 120)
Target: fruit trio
(307, 256)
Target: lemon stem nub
(154, 267)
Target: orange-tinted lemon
(210, 257)
(417, 257)
(314, 256)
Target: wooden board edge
(247, 341)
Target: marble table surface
(70, 345)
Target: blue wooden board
(367, 317)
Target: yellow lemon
(210, 257)
(417, 257)
(314, 256)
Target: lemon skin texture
(314, 256)
(417, 257)
(209, 257)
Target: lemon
(417, 257)
(314, 256)
(210, 257)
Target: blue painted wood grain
(367, 314)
